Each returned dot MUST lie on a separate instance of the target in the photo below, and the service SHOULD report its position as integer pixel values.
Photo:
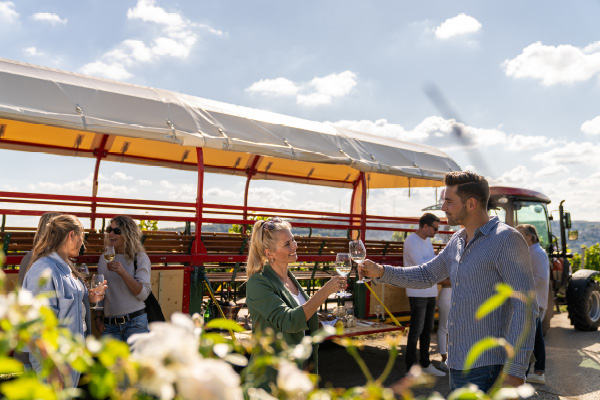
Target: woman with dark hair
(67, 294)
(128, 276)
(275, 299)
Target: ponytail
(262, 239)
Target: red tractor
(580, 290)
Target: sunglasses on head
(269, 225)
(110, 229)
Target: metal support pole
(100, 153)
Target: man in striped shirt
(478, 257)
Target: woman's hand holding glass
(97, 291)
(335, 284)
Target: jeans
(539, 348)
(122, 332)
(483, 377)
(422, 312)
(443, 303)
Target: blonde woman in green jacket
(274, 297)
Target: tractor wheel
(585, 314)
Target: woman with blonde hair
(26, 261)
(275, 299)
(68, 297)
(128, 276)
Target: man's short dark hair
(428, 219)
(469, 185)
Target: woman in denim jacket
(67, 294)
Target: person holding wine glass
(67, 294)
(126, 267)
(275, 299)
(358, 253)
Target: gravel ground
(572, 364)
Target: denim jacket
(66, 297)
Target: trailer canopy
(57, 112)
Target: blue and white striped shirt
(496, 254)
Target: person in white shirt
(541, 277)
(418, 250)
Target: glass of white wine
(343, 266)
(358, 253)
(97, 280)
(109, 253)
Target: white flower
(21, 306)
(209, 379)
(303, 350)
(164, 353)
(292, 380)
(259, 394)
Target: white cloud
(591, 127)
(275, 87)
(270, 197)
(519, 176)
(7, 12)
(319, 91)
(216, 192)
(144, 182)
(571, 153)
(176, 39)
(116, 176)
(49, 17)
(462, 24)
(32, 51)
(555, 64)
(383, 128)
(552, 170)
(114, 71)
(527, 143)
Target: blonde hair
(261, 240)
(53, 235)
(44, 219)
(131, 234)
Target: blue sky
(523, 78)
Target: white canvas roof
(43, 109)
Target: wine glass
(358, 253)
(85, 273)
(343, 266)
(97, 280)
(109, 253)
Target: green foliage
(591, 258)
(238, 228)
(148, 225)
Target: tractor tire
(585, 313)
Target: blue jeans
(422, 313)
(483, 377)
(539, 348)
(122, 332)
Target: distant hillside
(589, 233)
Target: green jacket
(271, 305)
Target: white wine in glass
(343, 266)
(97, 280)
(358, 253)
(109, 253)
